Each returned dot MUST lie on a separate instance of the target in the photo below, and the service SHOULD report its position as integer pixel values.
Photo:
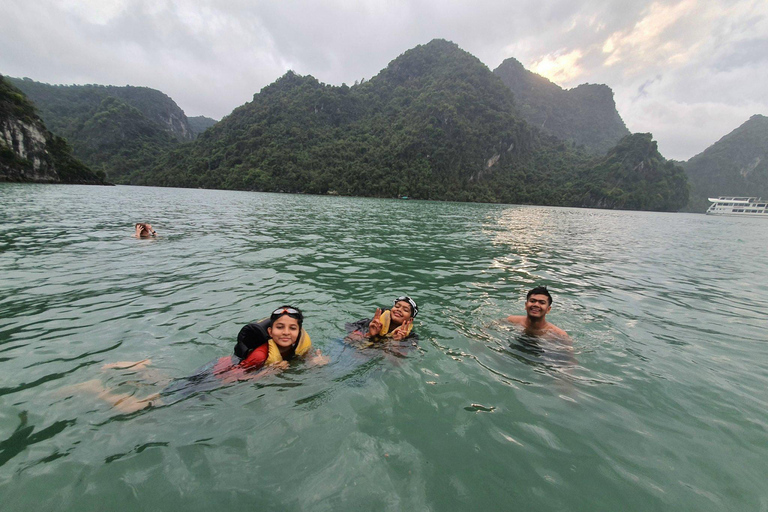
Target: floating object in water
(479, 408)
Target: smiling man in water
(538, 303)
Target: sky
(687, 71)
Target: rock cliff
(585, 115)
(28, 151)
(119, 130)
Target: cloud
(212, 56)
(559, 67)
(651, 39)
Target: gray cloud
(211, 56)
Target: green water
(663, 409)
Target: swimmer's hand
(282, 365)
(374, 328)
(402, 332)
(318, 359)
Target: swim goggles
(287, 310)
(414, 307)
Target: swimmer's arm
(272, 369)
(256, 358)
(561, 335)
(565, 341)
(516, 319)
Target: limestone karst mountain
(585, 115)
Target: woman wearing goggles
(269, 343)
(286, 340)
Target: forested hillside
(118, 130)
(585, 115)
(736, 165)
(28, 151)
(434, 124)
(199, 124)
(634, 176)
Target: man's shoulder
(516, 319)
(556, 329)
(561, 334)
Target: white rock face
(28, 142)
(177, 125)
(492, 161)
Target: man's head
(540, 290)
(538, 303)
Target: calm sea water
(664, 407)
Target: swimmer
(395, 323)
(538, 303)
(144, 230)
(287, 340)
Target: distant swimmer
(537, 304)
(144, 230)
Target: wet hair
(144, 227)
(540, 290)
(287, 310)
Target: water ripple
(659, 406)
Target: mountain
(198, 124)
(634, 176)
(585, 115)
(413, 130)
(736, 165)
(28, 151)
(118, 130)
(434, 124)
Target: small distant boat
(745, 206)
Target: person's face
(284, 331)
(400, 312)
(537, 306)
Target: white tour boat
(749, 206)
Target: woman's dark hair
(540, 290)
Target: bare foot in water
(127, 365)
(123, 402)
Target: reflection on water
(660, 406)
